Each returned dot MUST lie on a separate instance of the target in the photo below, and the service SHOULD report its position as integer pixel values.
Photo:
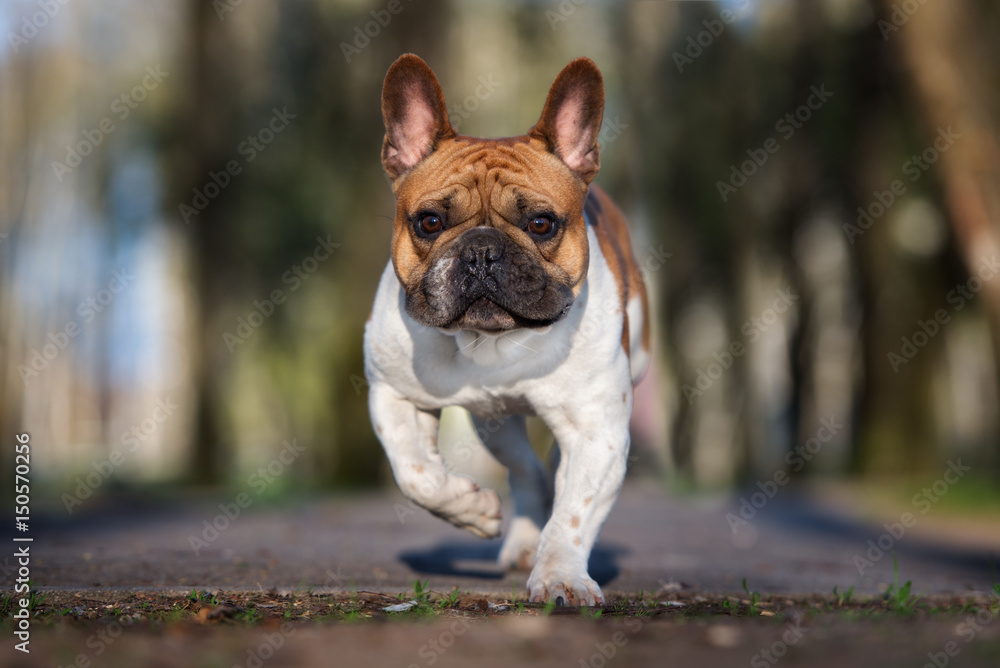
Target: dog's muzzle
(479, 259)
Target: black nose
(481, 251)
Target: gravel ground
(306, 584)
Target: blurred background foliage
(223, 157)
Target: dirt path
(793, 545)
(284, 582)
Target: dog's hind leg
(530, 487)
(409, 437)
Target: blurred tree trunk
(900, 426)
(950, 52)
(16, 135)
(202, 115)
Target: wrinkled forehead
(466, 176)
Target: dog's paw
(520, 547)
(563, 586)
(471, 508)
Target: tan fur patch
(497, 183)
(616, 246)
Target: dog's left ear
(414, 112)
(572, 117)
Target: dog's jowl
(512, 291)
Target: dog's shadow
(478, 560)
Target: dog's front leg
(594, 441)
(409, 437)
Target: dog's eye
(429, 223)
(541, 225)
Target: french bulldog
(512, 290)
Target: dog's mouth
(486, 316)
(489, 313)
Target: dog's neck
(494, 349)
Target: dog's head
(489, 233)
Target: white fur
(574, 375)
(638, 355)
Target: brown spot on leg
(624, 398)
(575, 522)
(576, 541)
(587, 501)
(419, 468)
(378, 430)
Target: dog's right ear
(572, 117)
(414, 113)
